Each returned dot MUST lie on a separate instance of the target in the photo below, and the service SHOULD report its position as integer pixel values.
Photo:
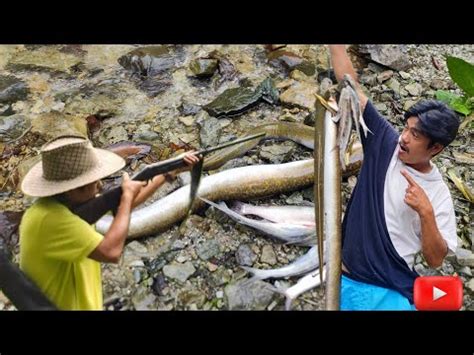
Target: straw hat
(68, 162)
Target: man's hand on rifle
(190, 159)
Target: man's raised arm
(343, 65)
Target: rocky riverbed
(174, 98)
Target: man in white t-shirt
(400, 205)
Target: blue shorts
(359, 296)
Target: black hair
(435, 120)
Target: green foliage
(462, 73)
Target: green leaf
(460, 104)
(462, 74)
(445, 96)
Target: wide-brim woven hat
(69, 162)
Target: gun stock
(19, 289)
(92, 210)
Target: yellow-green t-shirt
(54, 245)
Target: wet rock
(408, 104)
(425, 271)
(52, 124)
(447, 268)
(299, 76)
(301, 95)
(145, 133)
(268, 255)
(152, 66)
(134, 251)
(381, 107)
(113, 135)
(188, 121)
(288, 60)
(13, 127)
(220, 277)
(101, 101)
(47, 58)
(404, 75)
(208, 249)
(237, 100)
(159, 284)
(227, 70)
(245, 255)
(232, 102)
(284, 57)
(276, 153)
(142, 299)
(188, 109)
(211, 267)
(465, 257)
(12, 89)
(178, 244)
(203, 67)
(9, 220)
(369, 79)
(394, 85)
(210, 129)
(148, 61)
(439, 84)
(296, 198)
(6, 110)
(384, 76)
(466, 271)
(155, 85)
(414, 89)
(470, 285)
(392, 56)
(251, 296)
(179, 272)
(190, 297)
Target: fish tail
(282, 291)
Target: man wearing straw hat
(59, 251)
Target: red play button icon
(440, 293)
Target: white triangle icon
(437, 293)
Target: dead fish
(304, 284)
(279, 214)
(285, 232)
(305, 263)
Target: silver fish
(279, 214)
(304, 284)
(285, 232)
(305, 263)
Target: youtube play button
(437, 293)
(442, 293)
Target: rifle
(19, 289)
(91, 211)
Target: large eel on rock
(244, 183)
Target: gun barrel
(228, 144)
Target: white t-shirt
(403, 223)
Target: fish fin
(255, 275)
(364, 126)
(238, 207)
